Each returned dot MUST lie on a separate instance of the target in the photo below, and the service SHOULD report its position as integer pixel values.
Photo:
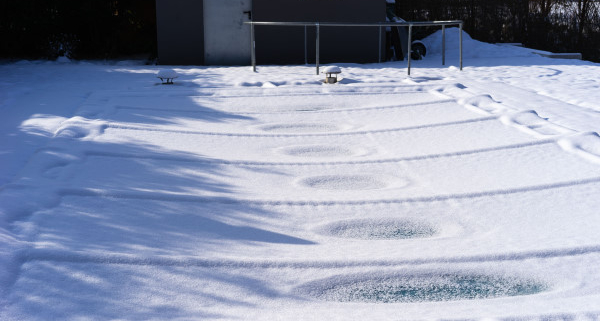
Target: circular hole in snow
(420, 288)
(344, 182)
(381, 229)
(319, 151)
(301, 128)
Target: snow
(237, 195)
(167, 73)
(331, 70)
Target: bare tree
(582, 17)
(543, 7)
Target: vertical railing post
(443, 45)
(409, 46)
(305, 46)
(380, 25)
(252, 47)
(379, 44)
(460, 40)
(317, 53)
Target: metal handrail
(354, 24)
(408, 24)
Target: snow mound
(586, 145)
(471, 47)
(332, 70)
(167, 73)
(63, 60)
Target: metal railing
(318, 25)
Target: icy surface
(269, 195)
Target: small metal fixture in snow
(167, 76)
(331, 73)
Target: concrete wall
(226, 37)
(285, 45)
(180, 32)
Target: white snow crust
(167, 73)
(447, 195)
(332, 69)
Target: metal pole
(305, 46)
(409, 46)
(410, 26)
(379, 44)
(317, 58)
(253, 47)
(443, 45)
(460, 36)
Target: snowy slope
(269, 195)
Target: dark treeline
(563, 26)
(79, 29)
(553, 25)
(100, 29)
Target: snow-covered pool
(270, 195)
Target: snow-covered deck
(446, 195)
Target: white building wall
(226, 37)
